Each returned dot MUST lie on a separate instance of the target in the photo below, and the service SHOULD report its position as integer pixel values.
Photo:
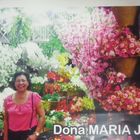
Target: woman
(24, 115)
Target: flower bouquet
(51, 87)
(127, 99)
(119, 43)
(79, 104)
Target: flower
(6, 92)
(33, 56)
(123, 44)
(37, 79)
(125, 99)
(53, 76)
(92, 47)
(8, 61)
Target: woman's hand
(32, 137)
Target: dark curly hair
(19, 74)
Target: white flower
(33, 55)
(67, 119)
(8, 61)
(53, 63)
(37, 79)
(6, 92)
(76, 80)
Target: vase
(125, 15)
(126, 66)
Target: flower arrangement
(113, 82)
(60, 84)
(126, 99)
(62, 105)
(61, 68)
(51, 88)
(119, 43)
(64, 77)
(53, 76)
(56, 77)
(79, 104)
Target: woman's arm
(5, 125)
(41, 113)
(41, 122)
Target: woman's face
(21, 83)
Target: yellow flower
(63, 59)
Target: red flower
(53, 76)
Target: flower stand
(126, 66)
(125, 15)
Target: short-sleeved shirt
(19, 115)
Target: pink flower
(117, 88)
(107, 41)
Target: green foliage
(1, 120)
(58, 115)
(54, 118)
(46, 97)
(20, 31)
(53, 44)
(1, 124)
(38, 87)
(51, 97)
(49, 124)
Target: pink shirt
(19, 115)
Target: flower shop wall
(73, 52)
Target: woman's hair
(19, 74)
